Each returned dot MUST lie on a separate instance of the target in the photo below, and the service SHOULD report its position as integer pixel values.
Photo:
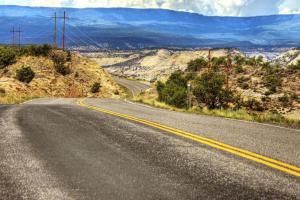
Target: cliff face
(49, 83)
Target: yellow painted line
(290, 169)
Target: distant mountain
(124, 28)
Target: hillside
(289, 57)
(150, 65)
(124, 28)
(259, 85)
(49, 83)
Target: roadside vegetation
(211, 94)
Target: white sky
(206, 7)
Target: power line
(84, 34)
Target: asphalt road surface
(55, 149)
(135, 87)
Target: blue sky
(206, 7)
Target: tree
(272, 82)
(218, 62)
(197, 65)
(239, 60)
(174, 92)
(7, 56)
(209, 89)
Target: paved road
(54, 149)
(135, 87)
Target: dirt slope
(49, 83)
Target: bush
(245, 86)
(251, 61)
(25, 74)
(59, 60)
(209, 90)
(62, 69)
(218, 63)
(254, 105)
(239, 60)
(294, 67)
(197, 65)
(285, 100)
(174, 92)
(239, 69)
(69, 56)
(272, 82)
(7, 56)
(36, 50)
(95, 87)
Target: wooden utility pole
(13, 36)
(228, 69)
(14, 41)
(64, 29)
(209, 60)
(64, 17)
(54, 45)
(19, 39)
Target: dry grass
(49, 83)
(271, 118)
(15, 99)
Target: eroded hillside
(150, 65)
(48, 82)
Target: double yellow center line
(290, 169)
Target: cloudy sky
(205, 7)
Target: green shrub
(59, 60)
(62, 69)
(218, 63)
(294, 67)
(272, 82)
(210, 91)
(25, 74)
(245, 86)
(294, 96)
(254, 105)
(36, 50)
(7, 56)
(95, 87)
(69, 56)
(239, 69)
(239, 60)
(174, 92)
(285, 100)
(242, 79)
(197, 65)
(251, 61)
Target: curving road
(56, 149)
(135, 87)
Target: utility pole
(54, 39)
(19, 39)
(209, 60)
(64, 17)
(64, 29)
(228, 69)
(189, 95)
(13, 36)
(14, 31)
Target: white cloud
(206, 7)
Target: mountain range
(126, 28)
